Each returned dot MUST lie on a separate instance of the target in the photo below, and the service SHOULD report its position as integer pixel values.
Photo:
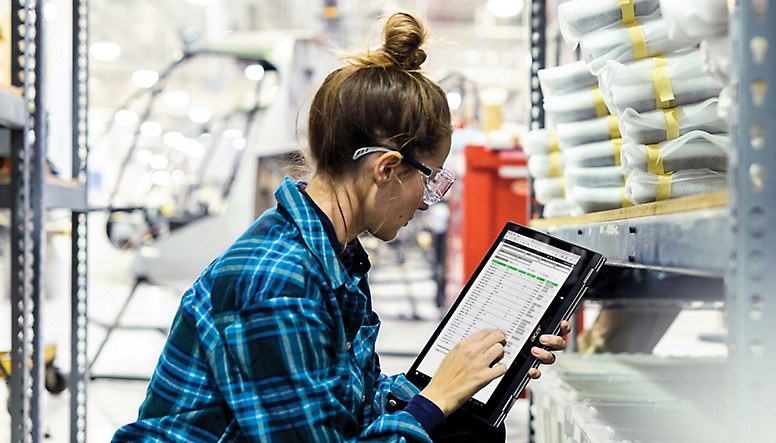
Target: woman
(275, 340)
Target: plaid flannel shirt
(275, 341)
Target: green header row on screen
(500, 263)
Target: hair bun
(403, 35)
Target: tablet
(526, 285)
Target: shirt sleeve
(278, 374)
(425, 411)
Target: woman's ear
(385, 167)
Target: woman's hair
(380, 98)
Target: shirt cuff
(425, 412)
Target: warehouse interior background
(196, 112)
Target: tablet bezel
(563, 304)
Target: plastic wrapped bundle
(540, 141)
(559, 207)
(725, 106)
(668, 124)
(587, 131)
(602, 177)
(548, 189)
(624, 44)
(695, 19)
(644, 187)
(645, 64)
(563, 79)
(586, 104)
(596, 154)
(694, 150)
(546, 165)
(599, 199)
(715, 56)
(581, 17)
(679, 83)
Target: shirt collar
(314, 232)
(352, 256)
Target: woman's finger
(494, 353)
(543, 355)
(554, 342)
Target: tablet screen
(519, 280)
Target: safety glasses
(437, 181)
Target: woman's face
(407, 197)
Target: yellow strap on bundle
(638, 41)
(663, 187)
(659, 61)
(555, 164)
(563, 187)
(617, 151)
(672, 124)
(664, 93)
(554, 146)
(628, 14)
(625, 202)
(598, 101)
(614, 127)
(654, 160)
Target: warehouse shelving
(670, 235)
(12, 109)
(28, 194)
(727, 235)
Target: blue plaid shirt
(275, 341)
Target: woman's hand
(554, 343)
(466, 369)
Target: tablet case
(562, 306)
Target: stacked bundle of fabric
(575, 108)
(651, 78)
(707, 21)
(546, 164)
(588, 137)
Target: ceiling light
(151, 129)
(145, 78)
(505, 8)
(161, 178)
(176, 99)
(126, 117)
(239, 143)
(174, 139)
(232, 133)
(194, 148)
(200, 114)
(254, 72)
(105, 51)
(158, 161)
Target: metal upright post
(78, 250)
(26, 226)
(37, 235)
(538, 44)
(751, 302)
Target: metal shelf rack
(727, 235)
(28, 196)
